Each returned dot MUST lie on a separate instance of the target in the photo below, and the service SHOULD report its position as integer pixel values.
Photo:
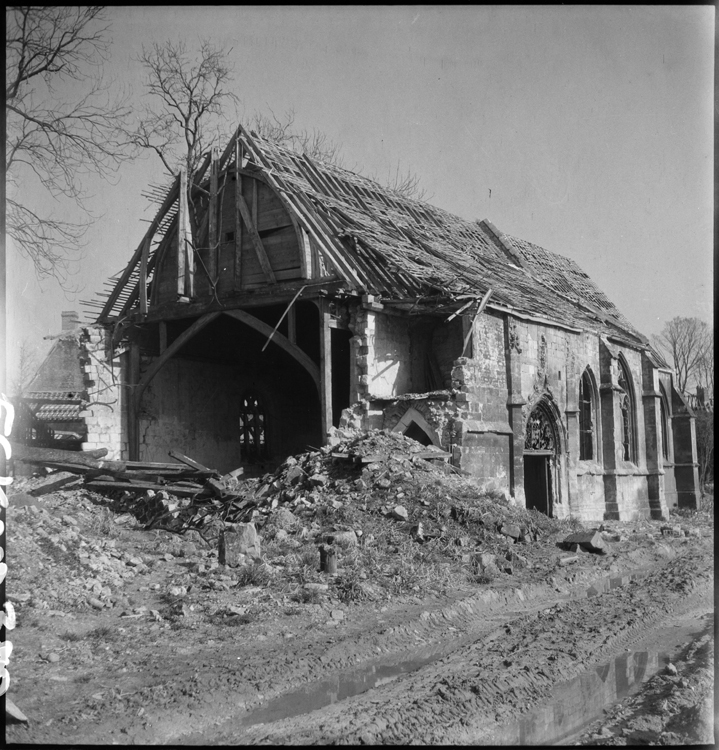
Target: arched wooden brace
(282, 341)
(244, 317)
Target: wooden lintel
(256, 241)
(279, 295)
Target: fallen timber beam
(31, 454)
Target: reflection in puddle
(582, 699)
(326, 692)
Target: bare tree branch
(63, 124)
(685, 341)
(186, 100)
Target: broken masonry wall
(104, 414)
(686, 466)
(388, 355)
(482, 434)
(435, 416)
(654, 438)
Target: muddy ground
(128, 635)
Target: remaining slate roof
(383, 243)
(60, 370)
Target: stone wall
(105, 414)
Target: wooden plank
(29, 453)
(186, 460)
(292, 325)
(185, 255)
(470, 328)
(292, 349)
(178, 490)
(282, 317)
(238, 216)
(256, 241)
(120, 285)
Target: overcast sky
(586, 130)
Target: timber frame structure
(326, 300)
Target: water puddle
(578, 702)
(323, 693)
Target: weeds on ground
(307, 596)
(103, 523)
(255, 574)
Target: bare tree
(184, 114)
(705, 367)
(683, 341)
(62, 125)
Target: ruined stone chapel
(276, 297)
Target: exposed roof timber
(385, 243)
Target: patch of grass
(103, 523)
(256, 574)
(72, 637)
(102, 633)
(307, 596)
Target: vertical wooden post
(212, 218)
(185, 276)
(325, 369)
(143, 276)
(238, 216)
(163, 336)
(133, 416)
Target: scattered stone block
(337, 614)
(318, 480)
(399, 512)
(592, 541)
(511, 530)
(568, 560)
(238, 539)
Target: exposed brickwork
(104, 417)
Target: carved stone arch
(413, 417)
(545, 411)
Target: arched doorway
(541, 459)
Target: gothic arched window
(253, 436)
(628, 410)
(664, 417)
(586, 417)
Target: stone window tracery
(664, 420)
(253, 435)
(626, 404)
(586, 418)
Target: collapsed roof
(402, 250)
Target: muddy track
(468, 695)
